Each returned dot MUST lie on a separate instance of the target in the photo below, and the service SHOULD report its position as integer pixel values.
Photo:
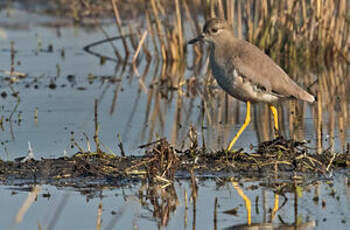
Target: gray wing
(260, 69)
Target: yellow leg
(275, 206)
(245, 124)
(246, 199)
(275, 116)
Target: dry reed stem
(239, 20)
(78, 146)
(180, 34)
(150, 29)
(212, 13)
(96, 138)
(221, 9)
(230, 11)
(88, 145)
(120, 145)
(119, 26)
(160, 32)
(139, 46)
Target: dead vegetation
(162, 163)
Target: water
(62, 90)
(323, 204)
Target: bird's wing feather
(260, 69)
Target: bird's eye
(214, 30)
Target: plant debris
(162, 163)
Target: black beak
(197, 39)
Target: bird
(245, 72)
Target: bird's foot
(232, 153)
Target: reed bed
(309, 39)
(292, 32)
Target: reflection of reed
(279, 211)
(162, 202)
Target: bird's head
(214, 30)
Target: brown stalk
(119, 26)
(212, 9)
(150, 29)
(96, 139)
(230, 11)
(179, 30)
(221, 9)
(139, 46)
(239, 20)
(120, 145)
(159, 30)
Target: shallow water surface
(201, 203)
